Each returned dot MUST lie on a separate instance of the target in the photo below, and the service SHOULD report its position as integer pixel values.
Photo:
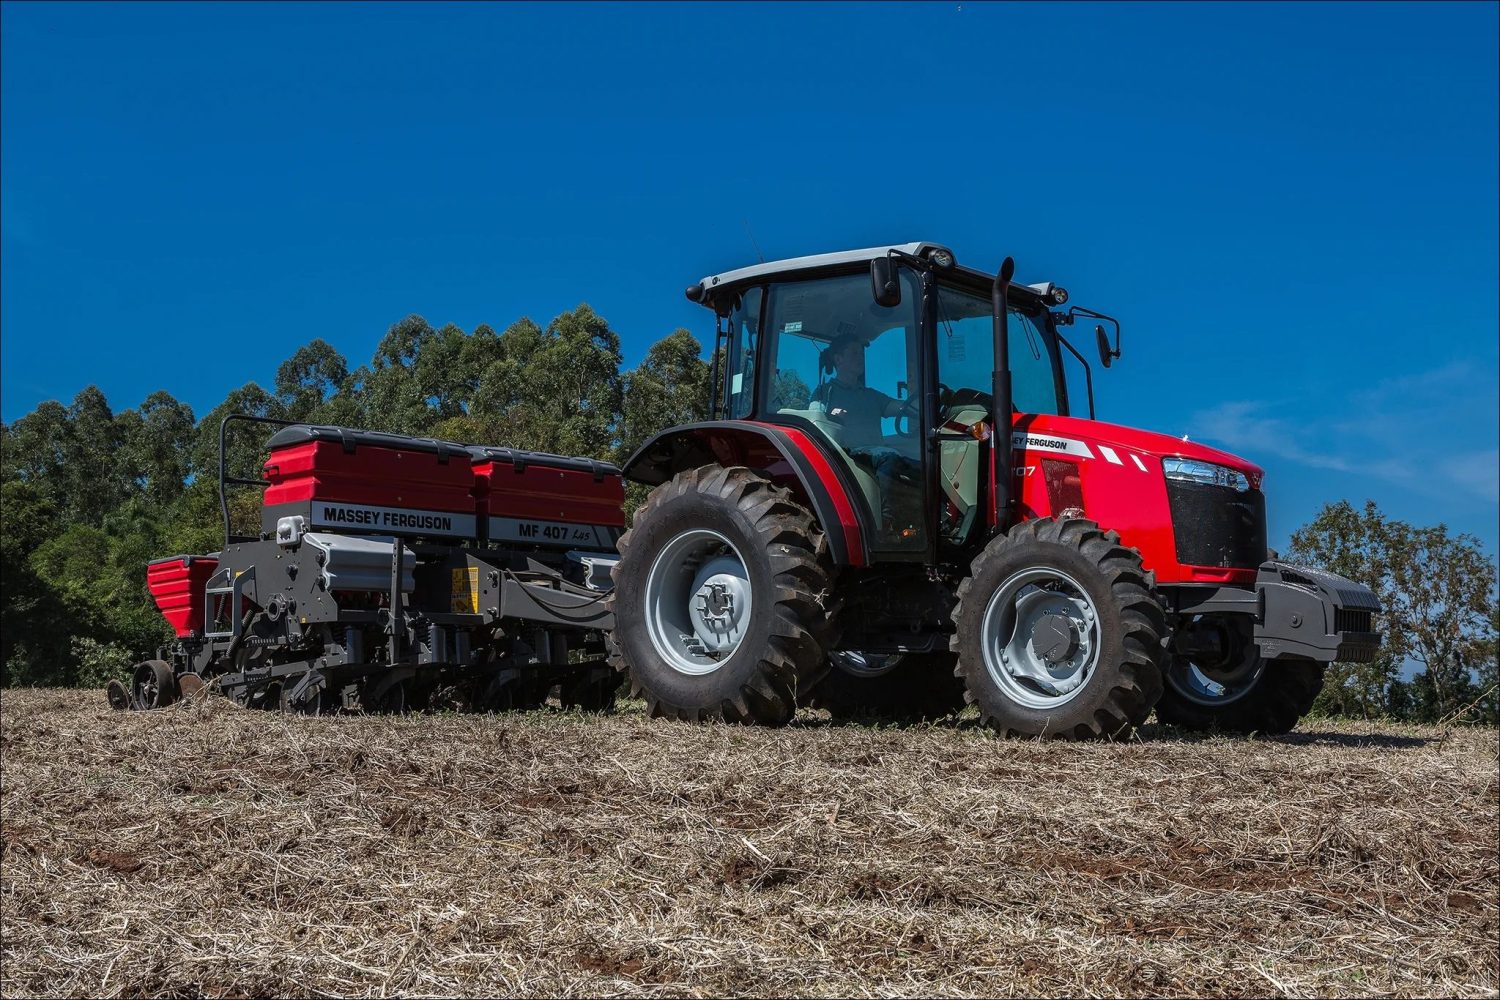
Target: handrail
(1088, 373)
(224, 478)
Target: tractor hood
(1125, 440)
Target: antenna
(752, 241)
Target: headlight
(1189, 471)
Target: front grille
(1353, 620)
(1217, 525)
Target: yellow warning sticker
(466, 590)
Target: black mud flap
(1316, 615)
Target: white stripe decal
(1109, 453)
(1138, 463)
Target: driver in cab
(858, 409)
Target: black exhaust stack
(1000, 390)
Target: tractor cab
(894, 383)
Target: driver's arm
(892, 407)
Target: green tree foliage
(309, 380)
(1438, 592)
(670, 387)
(33, 640)
(245, 443)
(36, 452)
(789, 391)
(156, 447)
(72, 455)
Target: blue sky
(1293, 209)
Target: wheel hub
(1055, 639)
(1041, 636)
(720, 599)
(698, 601)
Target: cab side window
(744, 339)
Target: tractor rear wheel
(1059, 632)
(1238, 691)
(906, 687)
(719, 598)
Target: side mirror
(884, 283)
(1106, 356)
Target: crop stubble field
(210, 850)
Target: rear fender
(786, 455)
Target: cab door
(879, 455)
(964, 360)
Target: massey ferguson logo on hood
(1070, 446)
(1060, 445)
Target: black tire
(153, 685)
(1282, 693)
(921, 686)
(1126, 675)
(785, 559)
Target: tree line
(90, 495)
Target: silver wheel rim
(698, 602)
(1041, 638)
(865, 665)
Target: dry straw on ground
(209, 850)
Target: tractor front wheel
(1059, 632)
(1236, 689)
(719, 598)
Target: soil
(207, 850)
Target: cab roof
(714, 284)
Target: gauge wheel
(153, 685)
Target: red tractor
(849, 529)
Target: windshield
(966, 351)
